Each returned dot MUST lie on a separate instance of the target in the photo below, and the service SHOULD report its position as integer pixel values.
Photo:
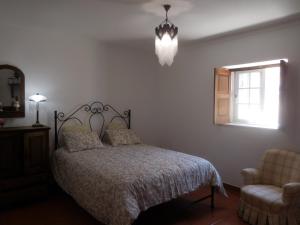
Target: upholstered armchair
(271, 195)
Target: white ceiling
(136, 19)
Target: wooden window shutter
(222, 95)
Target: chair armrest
(251, 176)
(291, 193)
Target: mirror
(12, 91)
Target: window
(249, 95)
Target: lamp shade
(166, 41)
(166, 49)
(37, 98)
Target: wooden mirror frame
(21, 112)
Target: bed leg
(212, 200)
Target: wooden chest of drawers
(24, 167)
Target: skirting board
(231, 187)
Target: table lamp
(37, 98)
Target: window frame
(220, 117)
(235, 88)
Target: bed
(115, 184)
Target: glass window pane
(255, 114)
(243, 96)
(243, 111)
(255, 96)
(255, 79)
(254, 108)
(271, 105)
(243, 80)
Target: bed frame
(106, 114)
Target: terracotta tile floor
(60, 209)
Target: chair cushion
(267, 198)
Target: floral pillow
(75, 127)
(122, 137)
(79, 138)
(116, 125)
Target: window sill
(251, 125)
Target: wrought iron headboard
(94, 108)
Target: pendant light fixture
(166, 42)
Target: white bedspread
(115, 184)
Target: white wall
(186, 93)
(172, 107)
(72, 70)
(132, 82)
(68, 70)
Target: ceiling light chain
(167, 7)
